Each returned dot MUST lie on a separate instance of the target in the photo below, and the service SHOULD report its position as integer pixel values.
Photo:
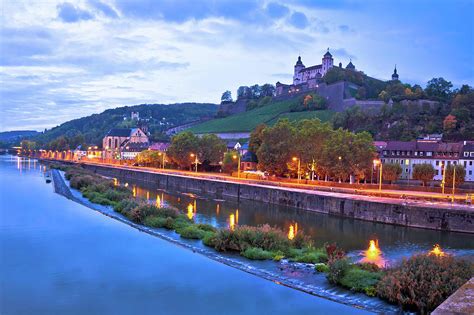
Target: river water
(354, 236)
(59, 257)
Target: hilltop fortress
(339, 95)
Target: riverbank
(265, 243)
(426, 215)
(298, 276)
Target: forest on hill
(158, 117)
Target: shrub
(337, 270)
(180, 222)
(124, 206)
(311, 255)
(333, 252)
(206, 227)
(166, 212)
(243, 237)
(424, 281)
(368, 266)
(255, 253)
(79, 182)
(116, 195)
(209, 239)
(321, 267)
(359, 280)
(154, 221)
(192, 232)
(169, 223)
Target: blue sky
(66, 59)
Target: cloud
(342, 53)
(104, 8)
(345, 29)
(276, 10)
(298, 20)
(68, 13)
(20, 46)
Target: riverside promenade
(422, 213)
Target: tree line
(320, 150)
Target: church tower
(298, 67)
(327, 62)
(395, 74)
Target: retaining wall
(399, 213)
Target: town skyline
(63, 61)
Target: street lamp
(299, 166)
(163, 159)
(454, 180)
(443, 181)
(378, 162)
(238, 166)
(195, 160)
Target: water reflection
(352, 235)
(293, 230)
(437, 251)
(374, 255)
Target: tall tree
(211, 149)
(439, 88)
(423, 172)
(391, 172)
(256, 138)
(182, 146)
(449, 176)
(277, 147)
(226, 96)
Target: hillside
(160, 117)
(268, 114)
(17, 135)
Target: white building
(467, 160)
(436, 153)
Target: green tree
(391, 172)
(423, 172)
(277, 147)
(226, 96)
(229, 164)
(439, 88)
(310, 136)
(460, 175)
(256, 138)
(268, 90)
(182, 146)
(211, 150)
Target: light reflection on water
(354, 236)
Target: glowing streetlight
(163, 159)
(443, 181)
(299, 167)
(378, 162)
(238, 166)
(195, 160)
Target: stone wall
(356, 207)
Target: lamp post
(238, 165)
(162, 154)
(195, 160)
(378, 162)
(299, 166)
(443, 181)
(454, 180)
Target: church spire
(395, 74)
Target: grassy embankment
(268, 114)
(420, 283)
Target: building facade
(439, 154)
(116, 141)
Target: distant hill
(268, 114)
(160, 117)
(16, 135)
